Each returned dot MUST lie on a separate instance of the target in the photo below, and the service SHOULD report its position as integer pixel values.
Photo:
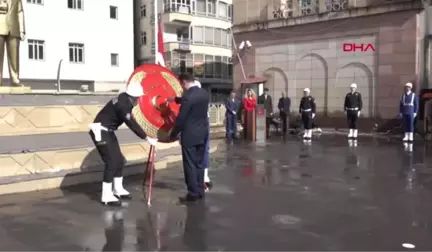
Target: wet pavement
(279, 195)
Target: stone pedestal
(260, 123)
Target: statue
(12, 30)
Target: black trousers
(109, 150)
(307, 120)
(285, 122)
(193, 169)
(352, 117)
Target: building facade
(94, 40)
(197, 39)
(326, 45)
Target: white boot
(206, 176)
(411, 136)
(405, 137)
(108, 197)
(350, 135)
(355, 132)
(119, 190)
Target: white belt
(97, 128)
(306, 110)
(352, 108)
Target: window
(143, 38)
(217, 36)
(143, 11)
(76, 53)
(36, 49)
(224, 37)
(229, 38)
(230, 11)
(209, 36)
(35, 2)
(218, 67)
(223, 10)
(230, 67)
(224, 67)
(209, 64)
(211, 10)
(198, 34)
(113, 12)
(199, 65)
(201, 6)
(75, 4)
(114, 59)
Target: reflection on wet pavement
(281, 195)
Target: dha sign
(352, 47)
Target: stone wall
(311, 55)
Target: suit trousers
(307, 120)
(352, 117)
(12, 50)
(206, 160)
(109, 150)
(193, 169)
(231, 126)
(285, 121)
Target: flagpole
(156, 24)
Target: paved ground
(282, 195)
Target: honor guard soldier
(352, 106)
(307, 111)
(408, 109)
(102, 131)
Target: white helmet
(134, 89)
(409, 84)
(353, 85)
(197, 83)
(306, 90)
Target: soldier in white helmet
(352, 107)
(408, 109)
(102, 131)
(307, 111)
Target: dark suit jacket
(285, 105)
(192, 120)
(268, 104)
(231, 106)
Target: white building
(197, 39)
(94, 38)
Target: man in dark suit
(266, 99)
(232, 106)
(284, 111)
(192, 124)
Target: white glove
(313, 115)
(415, 115)
(152, 141)
(234, 113)
(358, 113)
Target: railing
(217, 114)
(185, 9)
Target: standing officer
(307, 111)
(266, 99)
(408, 109)
(352, 106)
(284, 106)
(232, 106)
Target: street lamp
(246, 43)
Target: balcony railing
(184, 9)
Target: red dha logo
(352, 47)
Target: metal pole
(58, 76)
(238, 55)
(156, 23)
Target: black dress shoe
(124, 197)
(189, 198)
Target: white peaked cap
(353, 85)
(306, 90)
(409, 84)
(197, 83)
(134, 89)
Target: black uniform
(115, 113)
(307, 108)
(353, 104)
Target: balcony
(177, 14)
(180, 45)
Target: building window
(211, 8)
(218, 67)
(198, 34)
(201, 7)
(36, 49)
(113, 12)
(209, 36)
(114, 59)
(230, 68)
(40, 2)
(217, 37)
(224, 37)
(143, 38)
(76, 53)
(75, 4)
(230, 11)
(143, 11)
(209, 64)
(223, 10)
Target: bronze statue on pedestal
(12, 30)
